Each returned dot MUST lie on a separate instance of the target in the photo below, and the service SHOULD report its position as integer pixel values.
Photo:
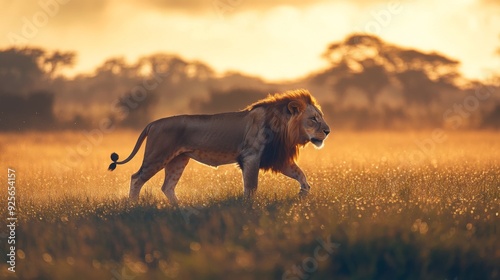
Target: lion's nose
(326, 131)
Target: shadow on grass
(231, 238)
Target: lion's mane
(282, 128)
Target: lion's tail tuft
(114, 158)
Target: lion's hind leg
(173, 172)
(158, 153)
(135, 186)
(148, 169)
(139, 178)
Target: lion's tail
(114, 156)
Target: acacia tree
(369, 64)
(57, 60)
(378, 84)
(26, 76)
(20, 70)
(361, 51)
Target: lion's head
(308, 122)
(293, 119)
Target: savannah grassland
(387, 210)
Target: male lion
(265, 135)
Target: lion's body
(211, 139)
(266, 135)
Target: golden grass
(396, 211)
(61, 165)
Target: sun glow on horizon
(276, 43)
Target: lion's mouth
(317, 142)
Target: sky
(276, 40)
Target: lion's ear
(295, 107)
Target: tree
(20, 70)
(370, 65)
(28, 69)
(374, 83)
(361, 51)
(57, 60)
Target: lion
(265, 135)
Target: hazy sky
(272, 39)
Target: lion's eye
(314, 119)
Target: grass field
(380, 208)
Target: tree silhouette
(20, 70)
(358, 51)
(57, 60)
(28, 69)
(377, 83)
(369, 83)
(26, 101)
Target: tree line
(369, 84)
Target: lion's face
(314, 127)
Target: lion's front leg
(293, 171)
(250, 169)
